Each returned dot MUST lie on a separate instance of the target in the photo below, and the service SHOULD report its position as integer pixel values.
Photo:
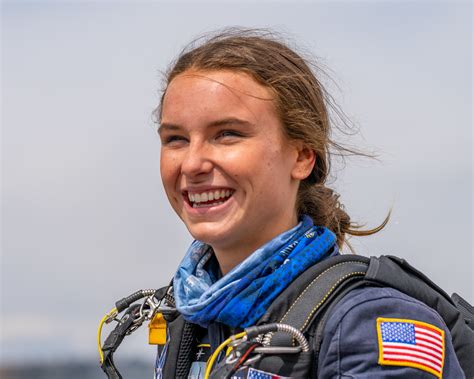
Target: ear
(305, 161)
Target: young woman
(245, 154)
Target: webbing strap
(318, 334)
(185, 354)
(124, 327)
(466, 309)
(114, 340)
(311, 300)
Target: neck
(231, 255)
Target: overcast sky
(84, 216)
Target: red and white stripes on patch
(411, 343)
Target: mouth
(210, 198)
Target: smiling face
(227, 169)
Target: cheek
(259, 158)
(251, 167)
(168, 169)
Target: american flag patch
(251, 373)
(411, 343)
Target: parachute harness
(244, 348)
(155, 301)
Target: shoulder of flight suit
(350, 346)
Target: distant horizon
(75, 369)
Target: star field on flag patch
(251, 373)
(411, 343)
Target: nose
(197, 162)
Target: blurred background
(84, 217)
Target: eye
(172, 139)
(229, 134)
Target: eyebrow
(213, 124)
(167, 127)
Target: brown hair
(300, 100)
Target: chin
(208, 234)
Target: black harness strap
(180, 348)
(114, 340)
(317, 293)
(320, 322)
(186, 350)
(125, 326)
(466, 309)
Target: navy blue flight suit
(351, 345)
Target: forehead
(237, 81)
(215, 91)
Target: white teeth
(204, 197)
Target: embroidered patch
(203, 352)
(198, 367)
(251, 373)
(411, 343)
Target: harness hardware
(135, 314)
